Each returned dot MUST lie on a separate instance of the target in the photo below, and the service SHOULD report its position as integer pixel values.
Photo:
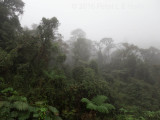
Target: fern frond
(102, 109)
(4, 103)
(7, 90)
(109, 106)
(100, 99)
(54, 110)
(17, 98)
(91, 106)
(98, 104)
(35, 115)
(40, 102)
(85, 100)
(33, 109)
(21, 106)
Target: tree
(9, 22)
(108, 45)
(46, 32)
(81, 49)
(78, 33)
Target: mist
(133, 21)
(79, 60)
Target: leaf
(14, 114)
(7, 90)
(100, 99)
(91, 106)
(85, 100)
(40, 102)
(33, 109)
(102, 109)
(109, 106)
(98, 104)
(2, 103)
(36, 115)
(5, 103)
(54, 110)
(17, 98)
(43, 109)
(22, 106)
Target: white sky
(133, 21)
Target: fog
(133, 21)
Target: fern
(85, 100)
(54, 110)
(35, 115)
(102, 109)
(17, 98)
(14, 107)
(98, 104)
(91, 106)
(109, 106)
(4, 103)
(7, 90)
(100, 99)
(21, 106)
(40, 103)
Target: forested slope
(43, 77)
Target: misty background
(133, 21)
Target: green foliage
(17, 107)
(152, 115)
(99, 100)
(98, 104)
(51, 72)
(21, 106)
(54, 110)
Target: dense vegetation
(43, 77)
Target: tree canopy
(44, 77)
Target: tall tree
(9, 22)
